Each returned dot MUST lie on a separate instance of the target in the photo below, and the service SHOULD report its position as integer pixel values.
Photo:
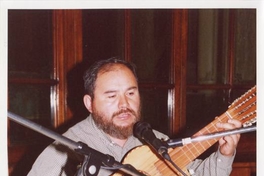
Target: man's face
(116, 104)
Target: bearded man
(113, 100)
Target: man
(112, 97)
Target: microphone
(143, 131)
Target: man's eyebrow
(114, 91)
(110, 91)
(132, 88)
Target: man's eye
(111, 96)
(131, 93)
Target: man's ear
(87, 100)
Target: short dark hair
(90, 75)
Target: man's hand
(229, 143)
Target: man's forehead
(112, 67)
(116, 75)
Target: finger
(221, 141)
(227, 126)
(232, 124)
(231, 140)
(227, 146)
(235, 122)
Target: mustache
(128, 110)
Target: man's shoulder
(82, 124)
(83, 127)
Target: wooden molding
(67, 39)
(178, 70)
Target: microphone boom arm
(180, 142)
(79, 147)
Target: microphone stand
(93, 159)
(180, 142)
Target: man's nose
(123, 102)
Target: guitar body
(140, 157)
(147, 162)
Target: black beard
(113, 130)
